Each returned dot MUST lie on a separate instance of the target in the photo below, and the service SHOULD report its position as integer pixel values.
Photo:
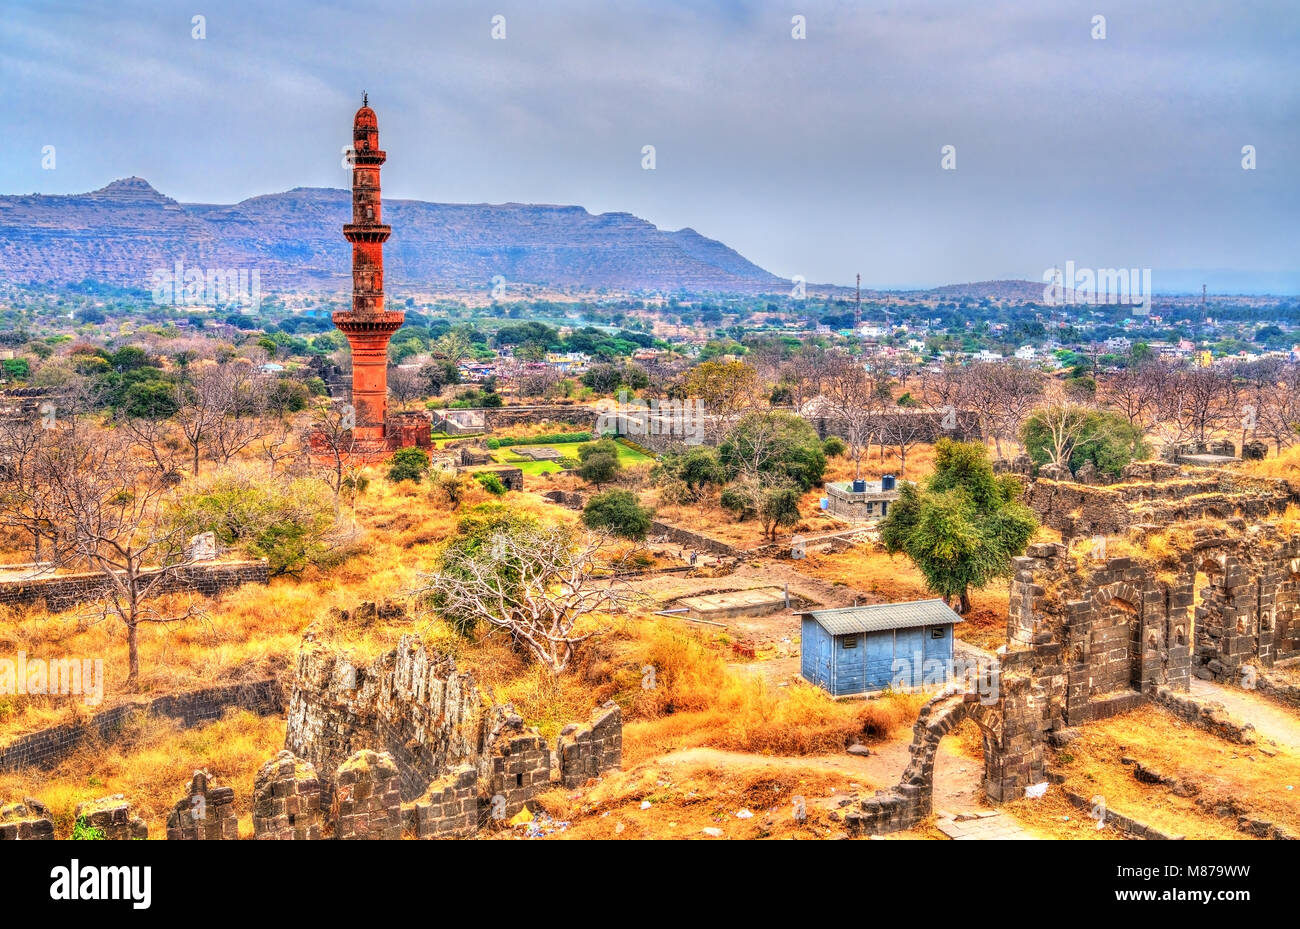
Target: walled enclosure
(1090, 641)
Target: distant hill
(121, 233)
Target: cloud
(818, 157)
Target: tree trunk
(196, 459)
(133, 652)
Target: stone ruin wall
(1153, 493)
(458, 757)
(65, 591)
(416, 706)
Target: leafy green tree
(16, 368)
(598, 461)
(408, 464)
(963, 526)
(1072, 435)
(289, 522)
(153, 399)
(697, 468)
(474, 545)
(776, 446)
(778, 507)
(619, 512)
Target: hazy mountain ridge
(123, 232)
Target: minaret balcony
(366, 232)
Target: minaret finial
(365, 98)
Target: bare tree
(1278, 411)
(536, 583)
(329, 440)
(102, 511)
(1134, 391)
(25, 449)
(1193, 403)
(802, 373)
(851, 398)
(1061, 426)
(158, 438)
(1002, 396)
(538, 381)
(275, 443)
(406, 384)
(902, 429)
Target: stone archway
(912, 799)
(936, 719)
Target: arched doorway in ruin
(939, 718)
(1115, 642)
(1205, 615)
(1286, 615)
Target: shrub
(834, 447)
(619, 512)
(739, 502)
(408, 464)
(553, 438)
(290, 523)
(491, 483)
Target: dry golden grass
(1225, 774)
(150, 763)
(686, 799)
(1285, 465)
(253, 632)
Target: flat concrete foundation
(737, 603)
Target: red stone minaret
(368, 326)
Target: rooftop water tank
(859, 487)
(887, 482)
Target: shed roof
(879, 617)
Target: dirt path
(1271, 721)
(956, 781)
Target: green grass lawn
(510, 457)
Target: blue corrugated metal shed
(880, 616)
(859, 649)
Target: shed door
(909, 646)
(880, 660)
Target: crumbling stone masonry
(412, 704)
(112, 817)
(26, 821)
(431, 719)
(367, 801)
(585, 752)
(1153, 493)
(1207, 714)
(1013, 725)
(206, 812)
(286, 800)
(1120, 631)
(519, 766)
(449, 808)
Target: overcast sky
(819, 157)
